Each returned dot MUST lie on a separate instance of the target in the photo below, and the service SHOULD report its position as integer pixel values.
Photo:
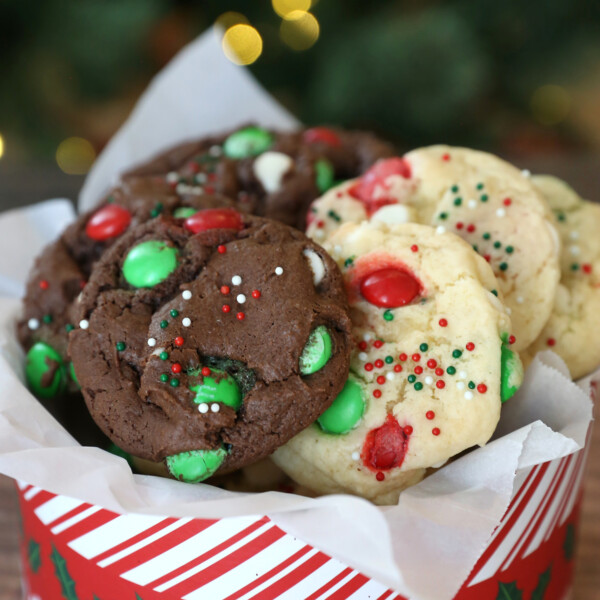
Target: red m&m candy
(323, 135)
(108, 222)
(385, 446)
(214, 218)
(389, 288)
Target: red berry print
(470, 346)
(256, 293)
(321, 135)
(221, 249)
(44, 285)
(482, 388)
(176, 368)
(430, 414)
(443, 323)
(240, 316)
(225, 289)
(432, 363)
(381, 380)
(205, 371)
(377, 393)
(108, 222)
(178, 341)
(414, 248)
(440, 385)
(226, 308)
(436, 431)
(390, 288)
(385, 446)
(214, 218)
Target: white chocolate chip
(241, 298)
(203, 408)
(158, 352)
(236, 280)
(316, 265)
(270, 168)
(151, 342)
(393, 214)
(186, 321)
(84, 324)
(215, 407)
(186, 294)
(33, 324)
(468, 395)
(278, 271)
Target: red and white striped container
(77, 551)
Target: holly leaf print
(62, 574)
(34, 556)
(509, 591)
(542, 584)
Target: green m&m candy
(44, 371)
(317, 351)
(324, 175)
(149, 263)
(250, 141)
(345, 412)
(511, 373)
(196, 465)
(183, 212)
(223, 389)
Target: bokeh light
(299, 30)
(284, 7)
(231, 18)
(1, 146)
(242, 44)
(75, 156)
(550, 104)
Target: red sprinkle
(320, 224)
(430, 414)
(178, 341)
(436, 431)
(470, 346)
(416, 357)
(471, 228)
(377, 343)
(440, 385)
(226, 308)
(398, 368)
(587, 268)
(432, 363)
(446, 157)
(256, 293)
(482, 388)
(380, 476)
(512, 339)
(368, 367)
(240, 316)
(418, 370)
(551, 342)
(439, 371)
(381, 380)
(221, 249)
(507, 201)
(205, 371)
(487, 257)
(82, 283)
(209, 189)
(408, 429)
(443, 323)
(403, 356)
(377, 393)
(459, 225)
(176, 368)
(225, 289)
(362, 345)
(44, 285)
(379, 363)
(414, 248)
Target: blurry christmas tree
(506, 74)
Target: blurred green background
(512, 76)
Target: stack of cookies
(204, 331)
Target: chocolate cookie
(210, 342)
(62, 269)
(276, 174)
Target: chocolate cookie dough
(61, 271)
(275, 174)
(209, 342)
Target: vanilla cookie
(476, 195)
(430, 369)
(571, 331)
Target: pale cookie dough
(431, 366)
(572, 331)
(476, 195)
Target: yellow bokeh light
(229, 19)
(284, 7)
(299, 30)
(1, 146)
(550, 104)
(75, 156)
(242, 44)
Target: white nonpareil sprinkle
(440, 229)
(500, 212)
(356, 455)
(520, 299)
(460, 385)
(241, 298)
(151, 342)
(186, 294)
(215, 150)
(278, 271)
(319, 233)
(337, 249)
(508, 311)
(236, 280)
(390, 376)
(468, 395)
(526, 173)
(362, 356)
(172, 177)
(574, 235)
(215, 407)
(33, 324)
(84, 324)
(186, 321)
(367, 337)
(472, 203)
(203, 408)
(574, 250)
(428, 380)
(462, 374)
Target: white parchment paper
(446, 520)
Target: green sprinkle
(509, 249)
(121, 346)
(443, 216)
(418, 386)
(174, 382)
(475, 248)
(574, 267)
(313, 210)
(348, 262)
(495, 292)
(389, 360)
(454, 189)
(561, 217)
(333, 215)
(456, 353)
(158, 208)
(457, 201)
(388, 315)
(164, 378)
(450, 370)
(497, 244)
(471, 385)
(47, 318)
(110, 199)
(484, 197)
(164, 324)
(479, 186)
(486, 236)
(163, 355)
(423, 347)
(503, 266)
(69, 327)
(174, 313)
(412, 378)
